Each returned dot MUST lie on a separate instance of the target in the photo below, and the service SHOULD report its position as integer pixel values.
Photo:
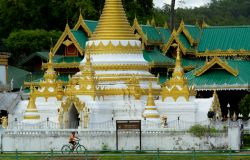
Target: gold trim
(136, 27)
(81, 23)
(112, 49)
(183, 29)
(31, 117)
(216, 60)
(60, 41)
(229, 52)
(152, 116)
(174, 36)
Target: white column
(234, 135)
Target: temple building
(106, 68)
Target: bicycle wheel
(66, 149)
(80, 149)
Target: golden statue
(4, 121)
(86, 117)
(60, 118)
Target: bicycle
(68, 148)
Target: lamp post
(228, 114)
(228, 108)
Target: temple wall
(94, 140)
(2, 74)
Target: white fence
(176, 125)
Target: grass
(132, 156)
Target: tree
(24, 42)
(244, 106)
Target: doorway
(73, 117)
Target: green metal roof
(184, 41)
(80, 37)
(18, 75)
(155, 56)
(42, 55)
(224, 38)
(163, 78)
(194, 31)
(68, 59)
(91, 24)
(165, 34)
(187, 62)
(151, 33)
(220, 77)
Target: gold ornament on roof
(31, 108)
(150, 100)
(177, 86)
(216, 106)
(113, 23)
(150, 109)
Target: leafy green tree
(24, 42)
(244, 106)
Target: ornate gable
(81, 23)
(218, 61)
(67, 38)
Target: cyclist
(73, 139)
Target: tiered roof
(232, 74)
(224, 40)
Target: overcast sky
(188, 3)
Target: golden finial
(67, 26)
(166, 25)
(51, 56)
(177, 86)
(150, 100)
(216, 105)
(135, 20)
(204, 24)
(113, 23)
(80, 15)
(148, 23)
(182, 23)
(153, 22)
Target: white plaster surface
(93, 140)
(3, 75)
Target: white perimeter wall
(3, 74)
(93, 140)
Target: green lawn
(131, 156)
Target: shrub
(200, 131)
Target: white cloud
(188, 3)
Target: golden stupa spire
(31, 111)
(153, 22)
(177, 86)
(216, 105)
(87, 80)
(50, 74)
(150, 100)
(178, 70)
(113, 23)
(151, 109)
